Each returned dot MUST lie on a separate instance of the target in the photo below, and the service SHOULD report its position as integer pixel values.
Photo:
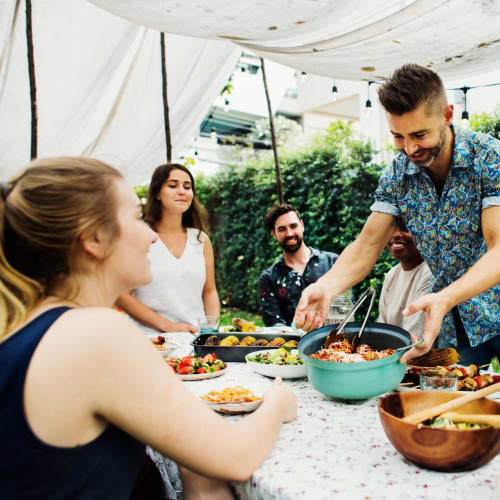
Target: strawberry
(185, 370)
(202, 369)
(209, 359)
(188, 361)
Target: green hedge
(331, 182)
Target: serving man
(445, 184)
(404, 283)
(281, 285)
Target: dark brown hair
(43, 212)
(409, 87)
(195, 216)
(278, 211)
(399, 223)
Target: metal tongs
(336, 334)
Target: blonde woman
(81, 389)
(182, 260)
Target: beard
(291, 248)
(430, 153)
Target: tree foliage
(331, 181)
(488, 123)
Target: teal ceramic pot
(356, 380)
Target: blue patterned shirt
(447, 229)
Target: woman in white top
(182, 260)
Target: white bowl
(283, 371)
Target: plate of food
(164, 345)
(468, 378)
(283, 362)
(194, 367)
(232, 400)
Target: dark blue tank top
(105, 468)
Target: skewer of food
(469, 377)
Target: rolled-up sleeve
(385, 199)
(491, 179)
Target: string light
(465, 113)
(303, 76)
(226, 105)
(368, 103)
(334, 91)
(213, 134)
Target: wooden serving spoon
(420, 416)
(493, 420)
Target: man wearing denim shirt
(281, 285)
(445, 185)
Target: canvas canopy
(99, 86)
(355, 39)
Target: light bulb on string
(213, 134)
(368, 107)
(465, 113)
(334, 91)
(368, 103)
(226, 105)
(303, 77)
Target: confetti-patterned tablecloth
(339, 449)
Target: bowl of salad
(443, 443)
(283, 362)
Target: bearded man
(281, 285)
(445, 185)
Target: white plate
(234, 408)
(165, 349)
(283, 371)
(202, 376)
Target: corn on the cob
(442, 357)
(242, 325)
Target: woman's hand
(313, 307)
(434, 306)
(169, 326)
(286, 397)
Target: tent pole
(165, 99)
(273, 136)
(31, 71)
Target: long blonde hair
(44, 210)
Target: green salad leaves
(282, 356)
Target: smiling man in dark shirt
(281, 285)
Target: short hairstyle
(399, 223)
(195, 216)
(44, 210)
(278, 211)
(409, 87)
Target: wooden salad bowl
(439, 449)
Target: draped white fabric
(99, 86)
(354, 39)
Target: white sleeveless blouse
(177, 286)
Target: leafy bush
(331, 182)
(487, 123)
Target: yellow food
(231, 395)
(247, 340)
(277, 342)
(290, 343)
(229, 340)
(242, 325)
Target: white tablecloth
(338, 448)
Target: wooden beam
(166, 118)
